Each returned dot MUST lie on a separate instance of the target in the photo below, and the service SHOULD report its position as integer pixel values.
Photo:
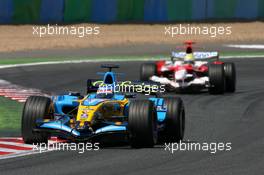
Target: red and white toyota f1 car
(192, 71)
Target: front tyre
(142, 124)
(230, 77)
(35, 108)
(175, 120)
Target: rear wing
(200, 56)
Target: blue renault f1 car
(141, 122)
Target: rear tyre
(147, 70)
(175, 120)
(35, 108)
(142, 124)
(216, 79)
(230, 77)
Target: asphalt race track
(237, 118)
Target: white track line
(11, 150)
(8, 156)
(108, 60)
(13, 138)
(246, 46)
(16, 144)
(18, 153)
(23, 153)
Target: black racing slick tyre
(36, 107)
(147, 70)
(216, 79)
(142, 124)
(175, 120)
(230, 77)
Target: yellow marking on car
(118, 123)
(86, 113)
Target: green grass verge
(8, 61)
(10, 114)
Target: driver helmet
(189, 58)
(105, 92)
